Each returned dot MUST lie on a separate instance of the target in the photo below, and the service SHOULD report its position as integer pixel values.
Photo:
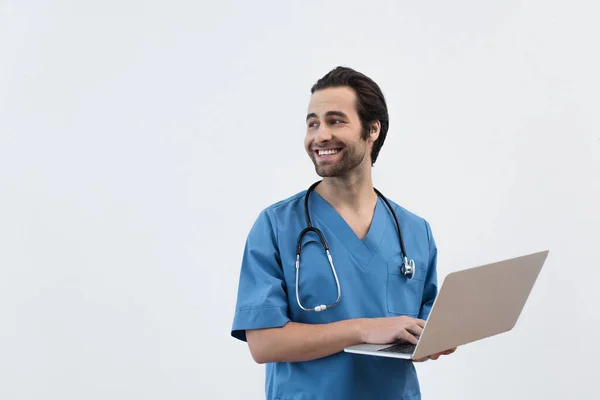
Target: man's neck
(353, 193)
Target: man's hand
(437, 355)
(391, 329)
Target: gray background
(140, 139)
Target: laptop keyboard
(404, 348)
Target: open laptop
(472, 304)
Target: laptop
(472, 304)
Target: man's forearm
(302, 342)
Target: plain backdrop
(139, 140)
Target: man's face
(333, 133)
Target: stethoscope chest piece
(408, 268)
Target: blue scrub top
(371, 285)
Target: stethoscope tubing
(407, 268)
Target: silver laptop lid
(479, 302)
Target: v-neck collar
(331, 223)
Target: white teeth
(327, 152)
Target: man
(279, 306)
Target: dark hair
(370, 102)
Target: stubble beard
(350, 160)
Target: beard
(351, 158)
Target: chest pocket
(404, 295)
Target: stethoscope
(407, 268)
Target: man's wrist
(357, 328)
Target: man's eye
(336, 121)
(312, 124)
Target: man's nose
(322, 135)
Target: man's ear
(374, 131)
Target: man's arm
(304, 342)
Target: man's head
(347, 116)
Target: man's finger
(406, 335)
(416, 329)
(419, 322)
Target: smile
(327, 152)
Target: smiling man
(306, 294)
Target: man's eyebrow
(328, 114)
(311, 115)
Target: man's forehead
(337, 98)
